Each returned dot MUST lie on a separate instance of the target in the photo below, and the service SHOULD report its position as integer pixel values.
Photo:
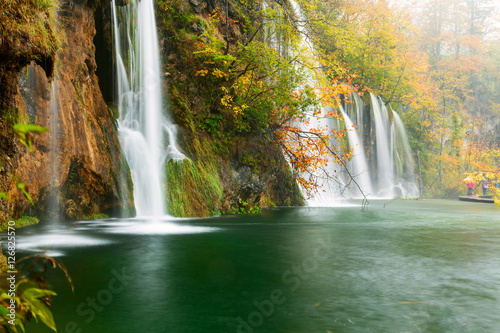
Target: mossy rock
(19, 223)
(194, 188)
(98, 216)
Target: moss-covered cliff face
(235, 167)
(47, 77)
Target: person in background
(470, 187)
(486, 184)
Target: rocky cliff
(74, 170)
(77, 169)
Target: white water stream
(147, 136)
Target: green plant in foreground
(32, 301)
(23, 287)
(30, 297)
(25, 131)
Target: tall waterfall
(406, 185)
(358, 165)
(384, 138)
(390, 157)
(54, 158)
(382, 163)
(147, 136)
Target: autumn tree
(267, 84)
(456, 37)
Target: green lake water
(411, 266)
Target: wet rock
(271, 181)
(71, 209)
(82, 138)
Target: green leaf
(37, 307)
(22, 186)
(29, 128)
(22, 129)
(19, 322)
(3, 310)
(33, 293)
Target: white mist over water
(147, 136)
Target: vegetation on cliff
(28, 31)
(239, 79)
(237, 71)
(222, 91)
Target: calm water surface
(411, 266)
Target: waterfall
(146, 134)
(384, 139)
(358, 165)
(394, 172)
(331, 189)
(405, 165)
(53, 204)
(356, 112)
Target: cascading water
(405, 165)
(54, 149)
(385, 158)
(147, 136)
(388, 179)
(358, 107)
(358, 165)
